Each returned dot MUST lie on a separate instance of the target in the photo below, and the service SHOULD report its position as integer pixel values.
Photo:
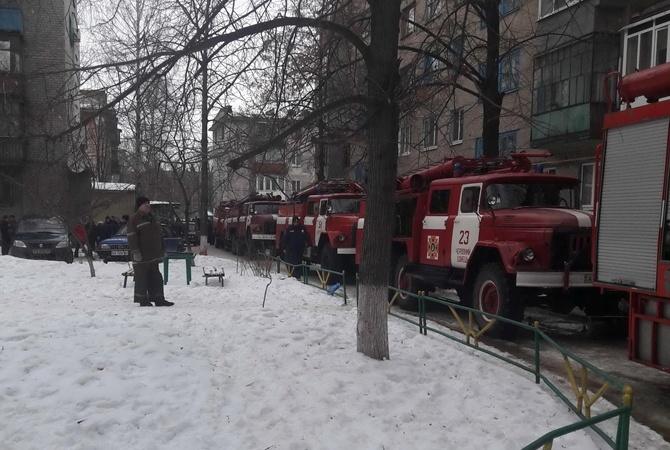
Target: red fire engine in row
(499, 234)
(329, 212)
(247, 225)
(632, 230)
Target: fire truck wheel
(330, 260)
(406, 283)
(493, 293)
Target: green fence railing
(324, 276)
(587, 387)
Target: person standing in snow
(293, 242)
(147, 250)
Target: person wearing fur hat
(147, 250)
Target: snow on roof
(103, 186)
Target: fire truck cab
(329, 211)
(494, 231)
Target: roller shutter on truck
(629, 214)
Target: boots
(163, 302)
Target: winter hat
(139, 201)
(295, 219)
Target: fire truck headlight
(341, 238)
(527, 254)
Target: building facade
(101, 136)
(39, 61)
(283, 169)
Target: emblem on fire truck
(433, 247)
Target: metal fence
(587, 383)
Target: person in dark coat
(5, 237)
(145, 240)
(294, 241)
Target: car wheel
(402, 281)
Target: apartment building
(101, 136)
(283, 169)
(39, 58)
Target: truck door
(321, 220)
(437, 229)
(466, 225)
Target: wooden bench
(126, 274)
(213, 273)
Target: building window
(366, 23)
(431, 69)
(5, 193)
(506, 144)
(10, 59)
(404, 141)
(457, 126)
(408, 19)
(646, 44)
(510, 71)
(506, 7)
(587, 186)
(548, 7)
(432, 9)
(295, 185)
(296, 159)
(263, 183)
(429, 138)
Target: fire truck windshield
(533, 195)
(268, 208)
(344, 205)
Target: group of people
(88, 234)
(7, 230)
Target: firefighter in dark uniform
(294, 241)
(145, 240)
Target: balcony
(579, 126)
(12, 151)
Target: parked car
(116, 248)
(42, 237)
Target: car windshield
(192, 227)
(266, 208)
(122, 232)
(41, 225)
(344, 205)
(537, 194)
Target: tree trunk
(204, 162)
(492, 98)
(383, 76)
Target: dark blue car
(116, 248)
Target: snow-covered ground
(83, 367)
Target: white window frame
(556, 6)
(653, 29)
(429, 133)
(457, 121)
(295, 185)
(404, 140)
(588, 167)
(296, 159)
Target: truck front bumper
(554, 279)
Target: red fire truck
(329, 211)
(632, 230)
(249, 223)
(500, 235)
